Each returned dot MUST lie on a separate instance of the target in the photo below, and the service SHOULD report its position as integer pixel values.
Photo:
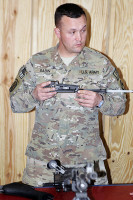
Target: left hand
(88, 98)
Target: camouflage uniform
(63, 129)
(36, 173)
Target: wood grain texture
(15, 49)
(27, 27)
(120, 132)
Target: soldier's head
(70, 10)
(71, 29)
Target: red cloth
(114, 192)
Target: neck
(64, 53)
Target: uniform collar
(78, 60)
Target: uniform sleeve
(21, 98)
(114, 103)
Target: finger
(45, 84)
(86, 105)
(44, 96)
(47, 90)
(86, 92)
(85, 101)
(85, 96)
(47, 97)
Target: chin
(78, 50)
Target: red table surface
(111, 192)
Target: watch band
(100, 104)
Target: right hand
(40, 93)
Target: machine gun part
(55, 164)
(63, 88)
(68, 88)
(75, 179)
(24, 190)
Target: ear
(57, 32)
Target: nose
(78, 36)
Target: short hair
(68, 9)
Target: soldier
(66, 124)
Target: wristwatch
(101, 102)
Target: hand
(40, 93)
(88, 98)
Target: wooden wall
(26, 27)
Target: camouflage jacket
(63, 129)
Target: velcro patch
(14, 85)
(18, 80)
(23, 73)
(89, 72)
(115, 73)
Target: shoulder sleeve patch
(122, 85)
(21, 74)
(14, 85)
(115, 73)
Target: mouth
(78, 45)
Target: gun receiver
(73, 179)
(68, 88)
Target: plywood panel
(120, 137)
(14, 51)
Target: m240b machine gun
(73, 179)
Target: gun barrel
(119, 91)
(110, 91)
(96, 90)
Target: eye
(73, 32)
(84, 30)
